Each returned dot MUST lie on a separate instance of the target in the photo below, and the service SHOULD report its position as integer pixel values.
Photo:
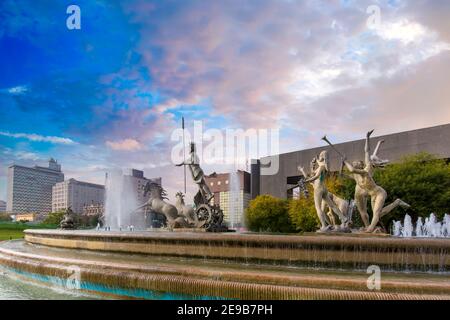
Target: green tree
(4, 217)
(421, 180)
(268, 214)
(54, 218)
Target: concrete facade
(434, 140)
(76, 195)
(2, 206)
(30, 189)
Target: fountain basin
(144, 276)
(317, 251)
(172, 265)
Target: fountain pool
(173, 265)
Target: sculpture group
(329, 206)
(204, 214)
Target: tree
(421, 180)
(4, 217)
(268, 214)
(54, 218)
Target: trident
(334, 148)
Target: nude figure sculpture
(362, 173)
(321, 193)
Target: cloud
(17, 90)
(39, 138)
(261, 62)
(124, 145)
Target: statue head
(358, 164)
(323, 159)
(313, 164)
(179, 195)
(377, 162)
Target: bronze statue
(321, 193)
(197, 175)
(68, 221)
(158, 204)
(362, 173)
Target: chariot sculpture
(204, 215)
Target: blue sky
(110, 94)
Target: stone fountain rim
(306, 239)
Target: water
(430, 228)
(12, 288)
(121, 201)
(234, 210)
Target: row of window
(219, 183)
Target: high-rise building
(232, 194)
(2, 206)
(30, 189)
(138, 181)
(76, 195)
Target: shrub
(303, 214)
(54, 218)
(268, 214)
(4, 217)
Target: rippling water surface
(12, 288)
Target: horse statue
(185, 211)
(158, 204)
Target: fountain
(120, 202)
(187, 261)
(432, 228)
(233, 200)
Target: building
(26, 217)
(137, 181)
(231, 193)
(93, 210)
(2, 206)
(30, 189)
(434, 140)
(125, 193)
(76, 195)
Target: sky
(110, 95)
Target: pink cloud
(124, 145)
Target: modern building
(2, 206)
(30, 189)
(232, 193)
(434, 140)
(76, 195)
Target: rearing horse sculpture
(158, 205)
(186, 211)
